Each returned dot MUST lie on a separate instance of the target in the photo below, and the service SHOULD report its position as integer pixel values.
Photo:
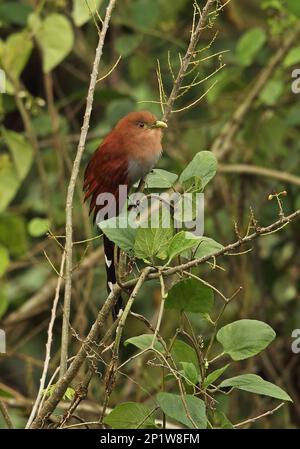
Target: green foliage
(214, 375)
(118, 231)
(56, 38)
(249, 45)
(190, 372)
(245, 338)
(152, 242)
(293, 6)
(190, 295)
(38, 227)
(126, 45)
(255, 384)
(160, 179)
(3, 299)
(4, 259)
(13, 234)
(184, 353)
(206, 247)
(15, 12)
(202, 167)
(271, 92)
(293, 57)
(143, 342)
(13, 170)
(83, 10)
(172, 405)
(130, 415)
(181, 242)
(14, 55)
(21, 152)
(68, 394)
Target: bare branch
(71, 188)
(48, 344)
(256, 418)
(195, 36)
(259, 171)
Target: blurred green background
(47, 50)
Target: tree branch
(223, 142)
(259, 171)
(195, 37)
(71, 188)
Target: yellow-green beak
(159, 124)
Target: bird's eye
(141, 124)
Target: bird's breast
(139, 167)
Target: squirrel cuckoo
(126, 155)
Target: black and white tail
(111, 274)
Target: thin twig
(48, 344)
(263, 415)
(71, 188)
(259, 171)
(195, 36)
(5, 415)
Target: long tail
(111, 274)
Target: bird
(128, 153)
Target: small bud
(284, 193)
(270, 197)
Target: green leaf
(245, 338)
(144, 13)
(190, 372)
(125, 45)
(68, 394)
(213, 376)
(38, 226)
(4, 259)
(14, 54)
(83, 10)
(152, 242)
(5, 394)
(21, 151)
(9, 182)
(190, 295)
(144, 341)
(271, 92)
(249, 45)
(173, 407)
(13, 234)
(206, 247)
(13, 171)
(15, 12)
(181, 242)
(293, 6)
(130, 415)
(221, 420)
(3, 296)
(56, 39)
(292, 58)
(160, 179)
(117, 229)
(255, 384)
(184, 353)
(203, 167)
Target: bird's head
(141, 126)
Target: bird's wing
(106, 171)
